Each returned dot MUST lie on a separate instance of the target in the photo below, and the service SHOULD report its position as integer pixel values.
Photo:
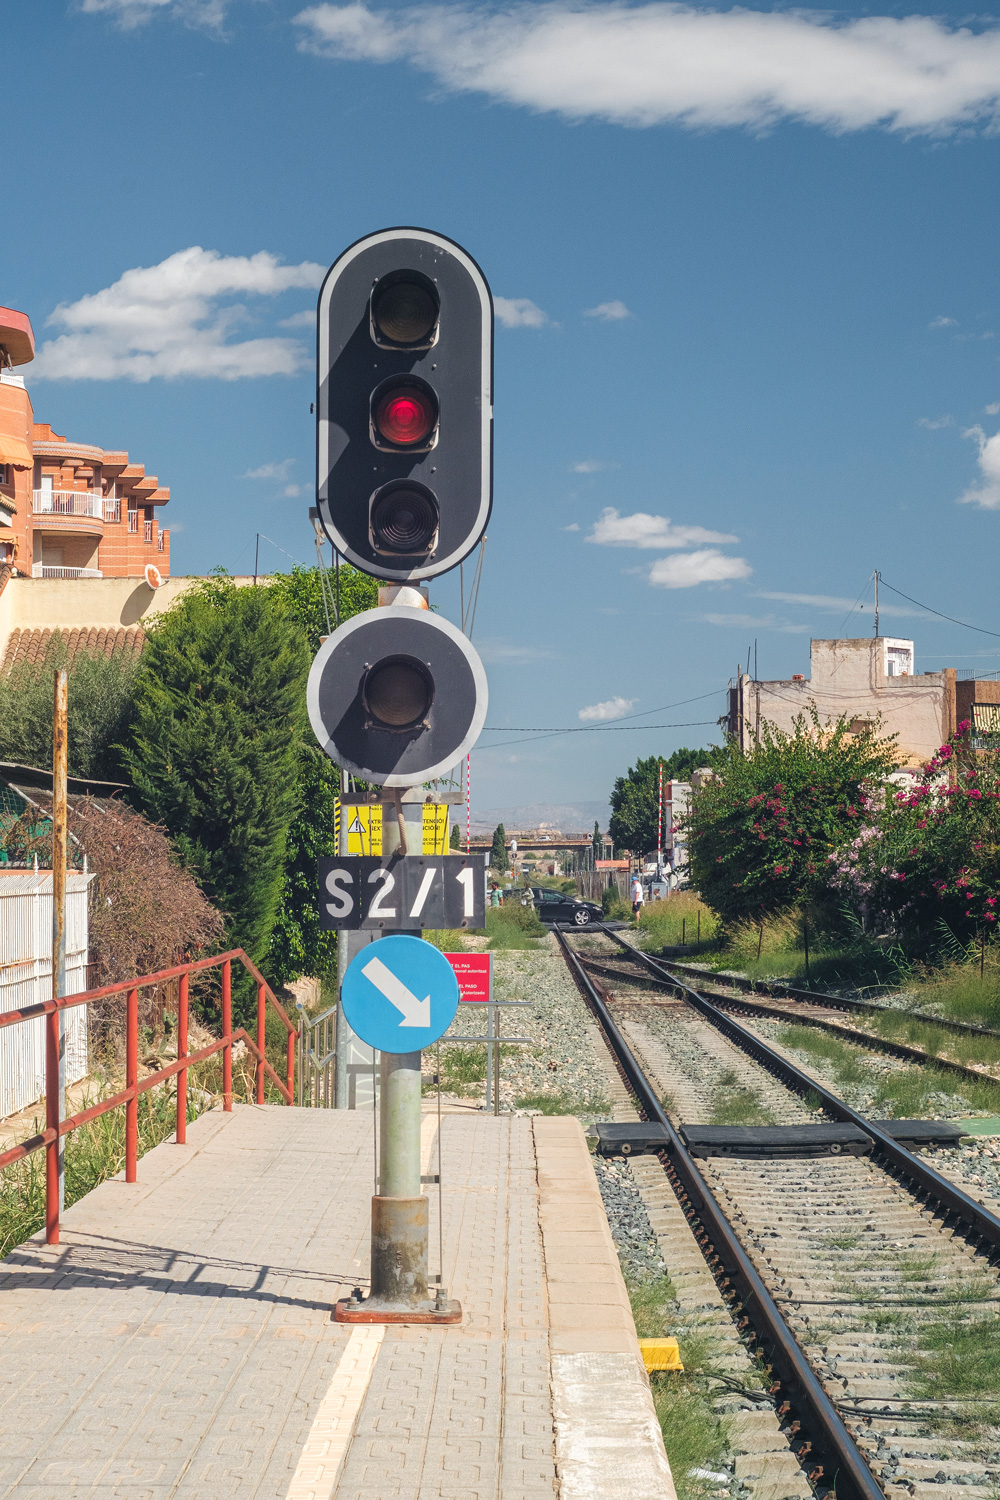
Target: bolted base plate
(350, 1310)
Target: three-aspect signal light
(397, 696)
(405, 404)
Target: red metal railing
(134, 1086)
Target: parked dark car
(553, 906)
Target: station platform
(179, 1342)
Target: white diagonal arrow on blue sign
(415, 1012)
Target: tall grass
(775, 949)
(956, 989)
(513, 926)
(678, 918)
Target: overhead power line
(590, 728)
(950, 618)
(601, 728)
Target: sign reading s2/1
(402, 891)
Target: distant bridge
(536, 842)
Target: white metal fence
(26, 979)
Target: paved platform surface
(179, 1341)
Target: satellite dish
(153, 576)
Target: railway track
(854, 1277)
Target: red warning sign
(474, 972)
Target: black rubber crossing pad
(923, 1132)
(631, 1139)
(826, 1139)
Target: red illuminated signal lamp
(404, 415)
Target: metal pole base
(362, 1310)
(399, 1291)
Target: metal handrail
(56, 1128)
(67, 503)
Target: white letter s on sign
(343, 902)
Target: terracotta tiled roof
(32, 646)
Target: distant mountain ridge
(568, 817)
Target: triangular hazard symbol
(356, 826)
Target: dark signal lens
(398, 693)
(405, 415)
(405, 311)
(404, 519)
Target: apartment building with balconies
(68, 509)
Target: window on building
(986, 719)
(862, 726)
(898, 661)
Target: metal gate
(317, 1057)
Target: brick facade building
(68, 510)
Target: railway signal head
(405, 404)
(397, 696)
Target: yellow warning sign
(435, 828)
(364, 829)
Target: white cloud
(292, 490)
(304, 319)
(520, 312)
(612, 709)
(590, 466)
(642, 530)
(498, 652)
(653, 63)
(934, 424)
(940, 322)
(132, 13)
(835, 605)
(987, 494)
(752, 622)
(686, 569)
(608, 312)
(571, 527)
(992, 409)
(169, 321)
(271, 471)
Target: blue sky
(749, 338)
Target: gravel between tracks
(566, 1058)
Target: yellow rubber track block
(660, 1354)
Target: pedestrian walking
(637, 897)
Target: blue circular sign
(399, 994)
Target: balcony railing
(112, 510)
(133, 520)
(147, 531)
(51, 570)
(161, 540)
(67, 503)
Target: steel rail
(839, 1460)
(977, 1221)
(868, 1039)
(823, 997)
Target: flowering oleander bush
(761, 834)
(930, 852)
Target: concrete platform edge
(608, 1439)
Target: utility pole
(60, 705)
(876, 603)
